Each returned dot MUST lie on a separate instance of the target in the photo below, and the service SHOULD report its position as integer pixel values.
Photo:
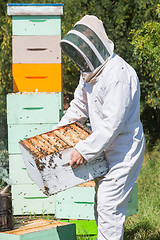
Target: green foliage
(147, 49)
(3, 165)
(119, 17)
(147, 54)
(5, 87)
(5, 56)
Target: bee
(60, 155)
(55, 165)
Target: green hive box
(88, 227)
(31, 108)
(28, 199)
(75, 203)
(31, 114)
(35, 19)
(23, 131)
(40, 230)
(17, 170)
(36, 25)
(78, 203)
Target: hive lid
(34, 9)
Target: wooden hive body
(42, 229)
(78, 202)
(47, 158)
(36, 25)
(37, 49)
(30, 77)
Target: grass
(146, 224)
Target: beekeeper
(109, 95)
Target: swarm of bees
(53, 142)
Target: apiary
(47, 158)
(41, 229)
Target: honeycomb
(55, 141)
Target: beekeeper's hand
(76, 159)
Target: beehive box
(17, 170)
(47, 158)
(36, 25)
(28, 199)
(44, 77)
(31, 107)
(78, 203)
(85, 227)
(17, 132)
(42, 229)
(36, 49)
(30, 114)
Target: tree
(147, 52)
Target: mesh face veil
(85, 46)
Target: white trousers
(112, 195)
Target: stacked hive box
(41, 229)
(36, 103)
(78, 202)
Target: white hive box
(34, 9)
(47, 158)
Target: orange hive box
(37, 77)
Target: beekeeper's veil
(87, 44)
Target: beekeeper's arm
(78, 110)
(114, 111)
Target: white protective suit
(109, 95)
